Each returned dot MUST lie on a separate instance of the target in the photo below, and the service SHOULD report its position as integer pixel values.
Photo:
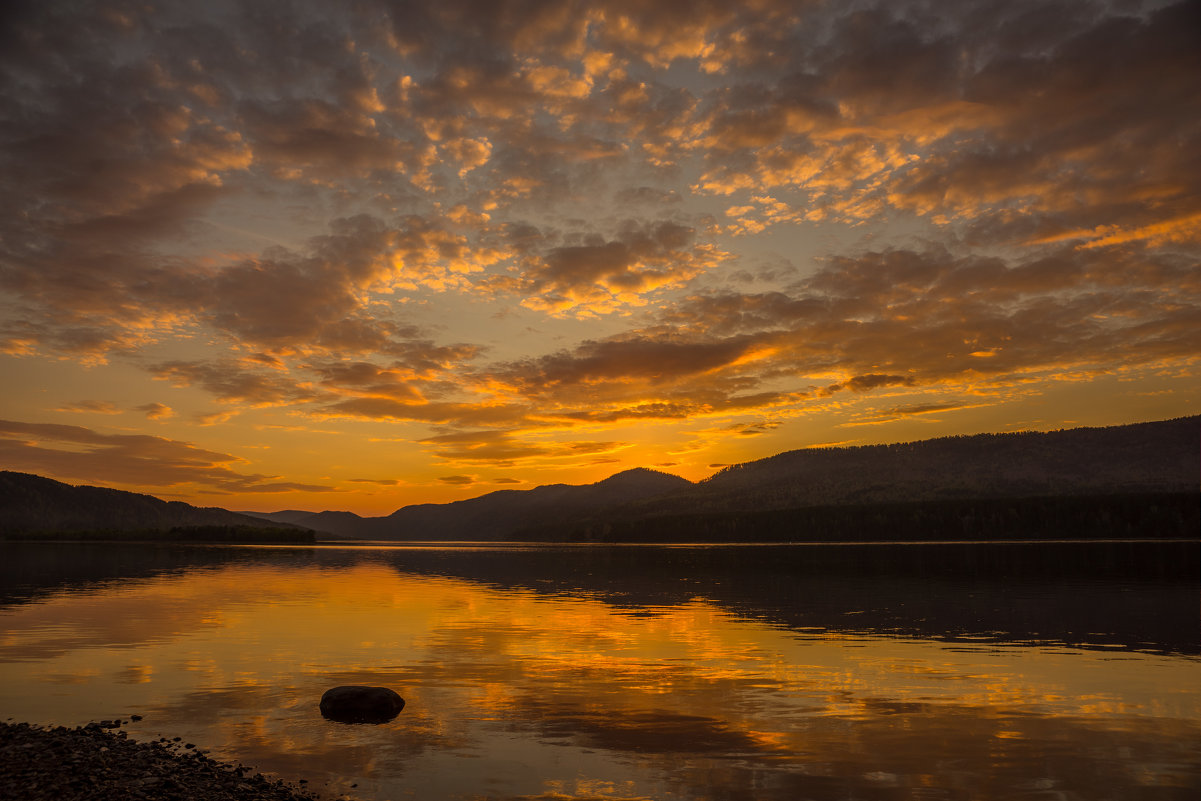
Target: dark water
(965, 671)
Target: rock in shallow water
(358, 704)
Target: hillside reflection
(1110, 594)
(630, 673)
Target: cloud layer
(512, 226)
(75, 452)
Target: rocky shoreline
(98, 761)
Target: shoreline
(97, 760)
(467, 545)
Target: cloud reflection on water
(515, 692)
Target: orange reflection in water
(517, 693)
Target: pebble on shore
(93, 762)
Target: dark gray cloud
(233, 382)
(961, 113)
(1055, 111)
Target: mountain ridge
(30, 502)
(465, 517)
(1137, 480)
(499, 514)
(1131, 458)
(1150, 457)
(1137, 459)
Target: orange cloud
(91, 406)
(1178, 230)
(498, 447)
(74, 452)
(231, 382)
(894, 319)
(601, 276)
(156, 411)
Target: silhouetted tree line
(1117, 516)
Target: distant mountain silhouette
(289, 516)
(499, 515)
(1135, 478)
(340, 524)
(34, 503)
(1140, 479)
(495, 516)
(1141, 457)
(1137, 459)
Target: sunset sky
(358, 255)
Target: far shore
(76, 538)
(184, 535)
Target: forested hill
(1133, 480)
(1142, 457)
(30, 503)
(500, 515)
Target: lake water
(1010, 671)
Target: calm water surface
(1039, 672)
